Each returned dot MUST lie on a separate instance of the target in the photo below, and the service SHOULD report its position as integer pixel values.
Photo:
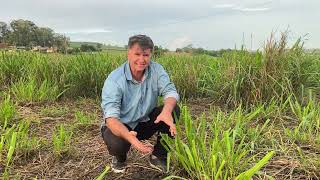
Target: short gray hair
(143, 41)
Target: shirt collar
(128, 74)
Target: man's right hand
(144, 148)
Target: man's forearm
(119, 129)
(169, 105)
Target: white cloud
(224, 6)
(180, 42)
(87, 31)
(244, 9)
(173, 24)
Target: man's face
(139, 59)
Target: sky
(210, 24)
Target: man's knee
(115, 145)
(119, 148)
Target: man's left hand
(167, 119)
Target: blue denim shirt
(130, 101)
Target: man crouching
(129, 103)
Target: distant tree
(212, 53)
(199, 51)
(61, 42)
(45, 36)
(87, 48)
(179, 50)
(158, 51)
(73, 50)
(24, 32)
(99, 46)
(4, 30)
(188, 48)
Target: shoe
(117, 166)
(157, 163)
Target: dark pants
(119, 147)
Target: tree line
(192, 50)
(26, 33)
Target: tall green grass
(7, 112)
(76, 75)
(307, 118)
(86, 73)
(25, 140)
(216, 148)
(13, 66)
(15, 136)
(261, 89)
(29, 91)
(189, 73)
(239, 77)
(16, 140)
(273, 74)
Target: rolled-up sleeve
(166, 87)
(111, 99)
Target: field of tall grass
(263, 120)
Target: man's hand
(167, 119)
(138, 145)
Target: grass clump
(273, 74)
(215, 149)
(7, 112)
(82, 118)
(61, 139)
(30, 91)
(307, 118)
(16, 141)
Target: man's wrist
(169, 105)
(130, 137)
(167, 109)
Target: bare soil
(88, 156)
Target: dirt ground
(88, 155)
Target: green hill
(75, 44)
